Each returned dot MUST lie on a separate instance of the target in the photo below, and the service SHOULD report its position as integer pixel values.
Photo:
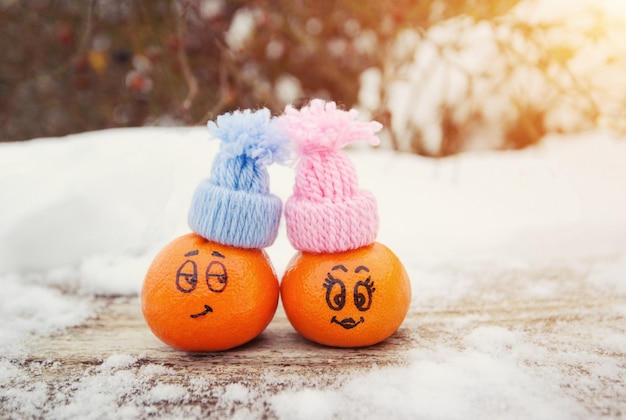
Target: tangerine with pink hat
(342, 288)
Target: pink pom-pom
(321, 126)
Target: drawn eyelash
(363, 298)
(335, 293)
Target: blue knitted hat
(234, 206)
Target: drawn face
(200, 295)
(361, 291)
(346, 299)
(215, 276)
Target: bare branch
(190, 79)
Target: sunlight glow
(616, 8)
(542, 10)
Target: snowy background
(463, 84)
(531, 245)
(517, 259)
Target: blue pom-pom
(253, 134)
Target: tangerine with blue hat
(215, 288)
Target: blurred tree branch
(82, 66)
(190, 79)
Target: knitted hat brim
(234, 217)
(328, 226)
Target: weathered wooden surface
(560, 325)
(121, 329)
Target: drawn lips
(207, 309)
(347, 323)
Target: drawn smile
(207, 309)
(347, 323)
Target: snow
(480, 385)
(84, 215)
(481, 75)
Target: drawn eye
(363, 294)
(216, 277)
(335, 293)
(187, 277)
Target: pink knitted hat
(328, 212)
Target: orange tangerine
(200, 295)
(347, 299)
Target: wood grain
(559, 325)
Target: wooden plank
(119, 329)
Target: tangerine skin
(208, 312)
(376, 295)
